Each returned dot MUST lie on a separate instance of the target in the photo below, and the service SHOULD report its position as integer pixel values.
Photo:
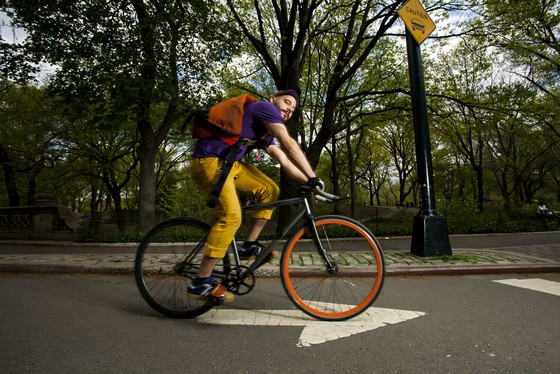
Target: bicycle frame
(304, 212)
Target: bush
(398, 224)
(464, 218)
(461, 218)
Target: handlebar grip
(325, 196)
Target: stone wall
(49, 222)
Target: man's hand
(316, 183)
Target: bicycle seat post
(235, 252)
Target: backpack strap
(226, 168)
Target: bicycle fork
(332, 268)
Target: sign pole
(429, 230)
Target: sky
(7, 31)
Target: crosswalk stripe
(535, 284)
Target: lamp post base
(429, 235)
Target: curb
(272, 271)
(472, 270)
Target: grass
(461, 257)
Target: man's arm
(290, 149)
(294, 172)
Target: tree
(17, 64)
(289, 30)
(282, 35)
(107, 155)
(373, 168)
(332, 46)
(398, 141)
(27, 142)
(527, 32)
(520, 146)
(140, 54)
(465, 78)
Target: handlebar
(323, 195)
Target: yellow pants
(242, 177)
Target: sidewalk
(522, 259)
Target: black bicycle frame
(305, 212)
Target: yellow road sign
(417, 20)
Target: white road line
(314, 331)
(535, 284)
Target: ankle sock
(205, 280)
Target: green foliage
(186, 200)
(29, 144)
(464, 218)
(124, 74)
(397, 224)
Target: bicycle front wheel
(168, 256)
(353, 282)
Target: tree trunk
(335, 173)
(115, 193)
(119, 215)
(152, 138)
(147, 197)
(480, 189)
(93, 218)
(9, 177)
(32, 183)
(334, 166)
(352, 168)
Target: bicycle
(338, 280)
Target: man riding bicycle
(262, 125)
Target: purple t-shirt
(256, 115)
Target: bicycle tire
(348, 292)
(167, 257)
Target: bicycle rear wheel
(348, 289)
(168, 256)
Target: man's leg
(251, 180)
(228, 213)
(263, 189)
(206, 267)
(256, 229)
(206, 172)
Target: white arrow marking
(536, 284)
(314, 331)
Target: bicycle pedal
(215, 301)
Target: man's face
(286, 104)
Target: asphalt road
(460, 324)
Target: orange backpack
(223, 120)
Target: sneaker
(201, 291)
(249, 251)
